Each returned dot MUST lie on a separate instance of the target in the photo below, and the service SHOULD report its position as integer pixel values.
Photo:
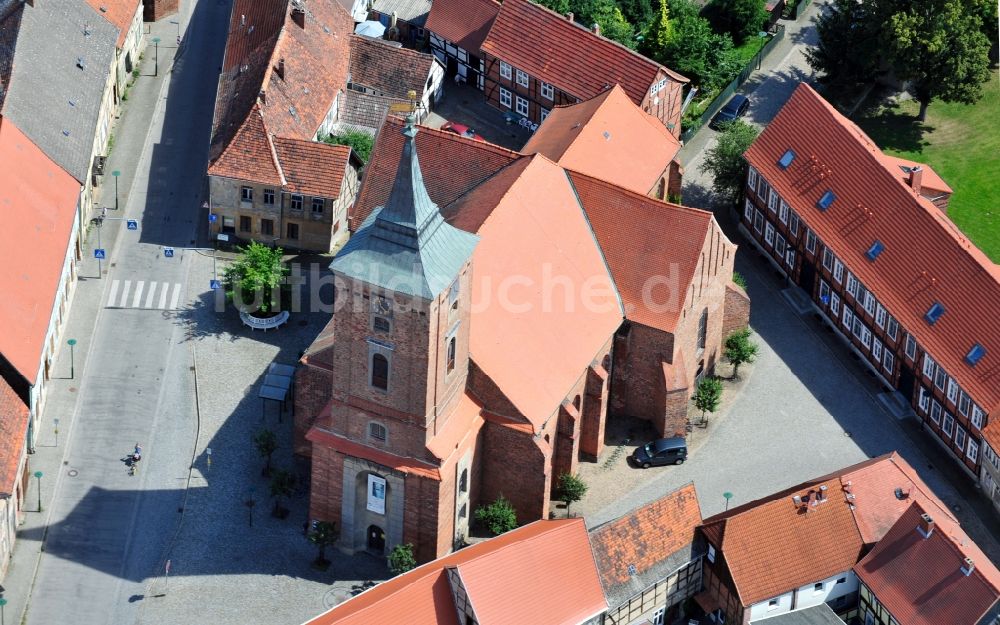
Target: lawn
(962, 143)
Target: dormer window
(874, 250)
(975, 354)
(786, 159)
(934, 313)
(826, 200)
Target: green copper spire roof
(406, 246)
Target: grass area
(962, 143)
(749, 49)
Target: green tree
(323, 534)
(724, 161)
(361, 142)
(707, 395)
(401, 559)
(607, 15)
(658, 34)
(708, 59)
(740, 280)
(559, 6)
(266, 443)
(939, 46)
(256, 276)
(282, 486)
(847, 54)
(639, 12)
(739, 349)
(571, 489)
(742, 19)
(498, 517)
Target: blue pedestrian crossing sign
(132, 224)
(214, 284)
(211, 218)
(168, 252)
(99, 253)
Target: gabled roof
(451, 165)
(920, 580)
(51, 98)
(312, 167)
(39, 203)
(405, 245)
(645, 240)
(389, 69)
(607, 137)
(545, 565)
(647, 544)
(925, 259)
(772, 546)
(120, 13)
(932, 183)
(13, 435)
(556, 50)
(463, 22)
(410, 11)
(250, 154)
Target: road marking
(114, 292)
(163, 296)
(149, 296)
(177, 296)
(138, 294)
(124, 300)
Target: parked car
(461, 130)
(734, 109)
(661, 451)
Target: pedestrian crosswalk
(143, 294)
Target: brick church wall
(327, 485)
(153, 10)
(637, 386)
(515, 466)
(312, 392)
(594, 418)
(737, 314)
(420, 517)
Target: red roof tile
(249, 155)
(992, 434)
(311, 167)
(644, 240)
(463, 22)
(451, 166)
(118, 12)
(546, 565)
(919, 580)
(563, 53)
(932, 183)
(926, 259)
(602, 136)
(389, 69)
(39, 201)
(13, 435)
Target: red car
(462, 130)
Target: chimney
(926, 526)
(797, 501)
(596, 29)
(916, 177)
(822, 492)
(569, 16)
(968, 567)
(262, 96)
(299, 14)
(281, 69)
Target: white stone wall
(807, 596)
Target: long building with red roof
(873, 248)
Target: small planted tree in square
(323, 534)
(498, 517)
(739, 349)
(254, 279)
(707, 395)
(266, 443)
(282, 485)
(571, 489)
(401, 559)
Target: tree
(607, 15)
(266, 443)
(739, 349)
(359, 141)
(498, 517)
(323, 534)
(740, 280)
(695, 51)
(401, 559)
(658, 34)
(638, 12)
(256, 275)
(559, 6)
(282, 485)
(847, 55)
(571, 489)
(724, 161)
(707, 395)
(742, 19)
(939, 46)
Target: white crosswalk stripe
(130, 294)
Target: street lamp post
(156, 56)
(250, 503)
(3, 602)
(72, 368)
(115, 174)
(38, 474)
(763, 38)
(728, 495)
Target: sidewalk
(130, 131)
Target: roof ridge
(633, 511)
(708, 215)
(270, 145)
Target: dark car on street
(734, 109)
(661, 451)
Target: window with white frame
(790, 258)
(779, 245)
(548, 92)
(858, 327)
(246, 194)
(748, 211)
(758, 221)
(963, 403)
(762, 187)
(772, 201)
(869, 303)
(935, 411)
(977, 416)
(952, 390)
(505, 98)
(866, 336)
(505, 70)
(911, 347)
(711, 553)
(880, 316)
(783, 212)
(888, 362)
(522, 78)
(769, 234)
(960, 436)
(793, 225)
(772, 604)
(752, 178)
(824, 292)
(828, 259)
(861, 295)
(923, 399)
(542, 114)
(835, 304)
(948, 424)
(892, 326)
(522, 106)
(877, 350)
(848, 318)
(940, 377)
(972, 452)
(852, 285)
(838, 270)
(811, 242)
(929, 366)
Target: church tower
(400, 354)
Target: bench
(270, 323)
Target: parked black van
(661, 451)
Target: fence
(731, 88)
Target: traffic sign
(212, 217)
(214, 284)
(222, 237)
(99, 253)
(132, 224)
(168, 252)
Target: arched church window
(380, 372)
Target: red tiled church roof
(558, 51)
(926, 258)
(463, 22)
